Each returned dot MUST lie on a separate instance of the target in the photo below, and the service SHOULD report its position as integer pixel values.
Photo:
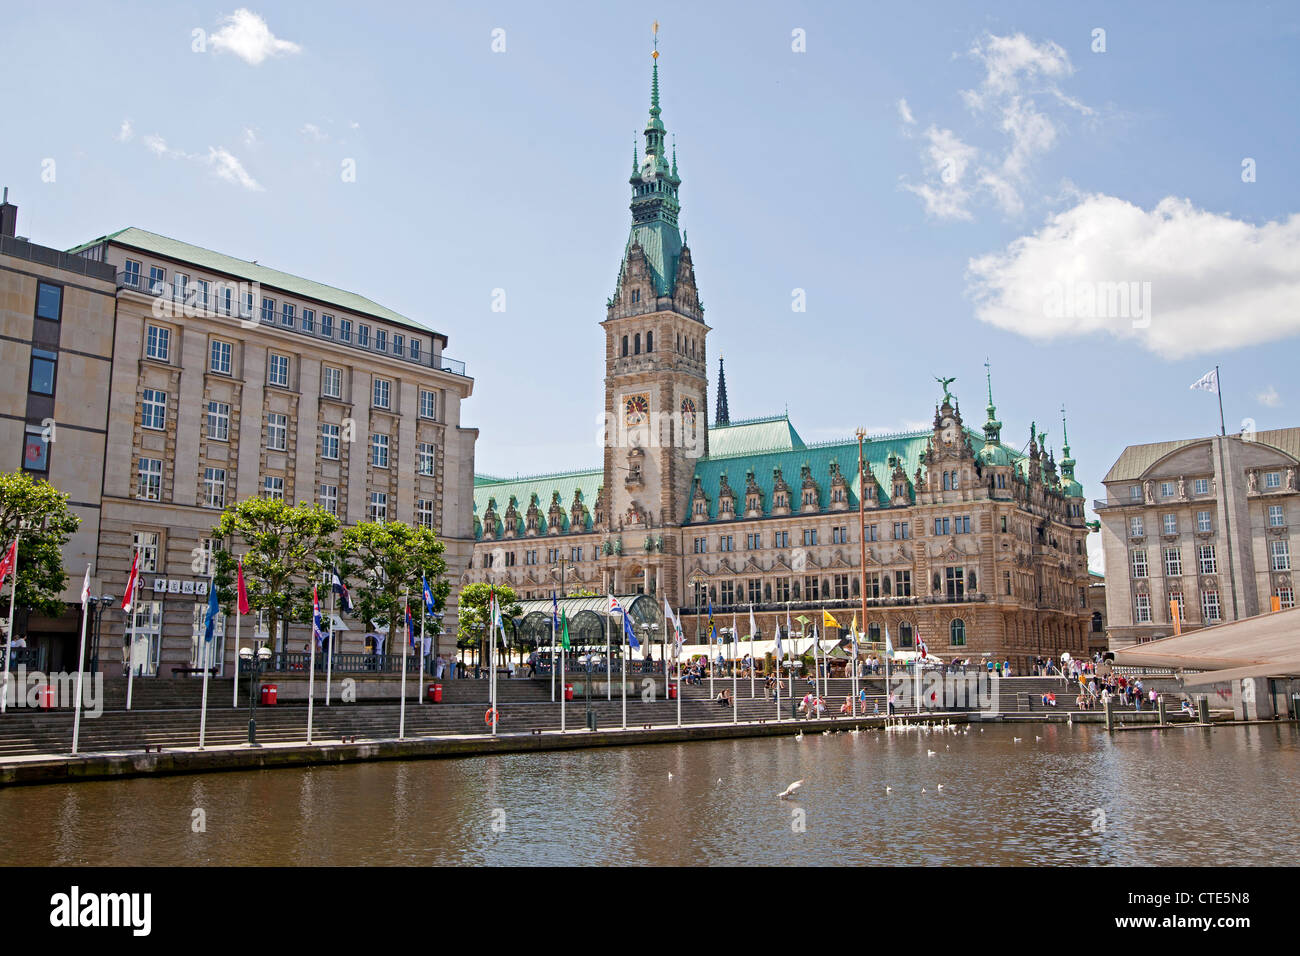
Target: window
(327, 325)
(219, 357)
(329, 442)
(379, 450)
(49, 301)
(781, 590)
(43, 368)
(1143, 610)
(1166, 489)
(279, 370)
(157, 280)
(1173, 562)
(154, 409)
(277, 431)
(382, 396)
(1135, 492)
(268, 310)
(36, 450)
(329, 498)
(1210, 607)
(781, 539)
(954, 582)
(940, 526)
(1273, 479)
(415, 349)
(1285, 598)
(246, 310)
(957, 633)
(809, 536)
(399, 343)
(1275, 519)
(1203, 523)
(228, 300)
(1170, 524)
(131, 274)
(1175, 607)
(158, 343)
(381, 340)
(1205, 555)
(428, 403)
(332, 382)
(906, 637)
(424, 457)
(701, 545)
(424, 513)
(1279, 554)
(286, 316)
(575, 554)
(901, 530)
(273, 488)
(1135, 527)
(149, 484)
(812, 588)
(870, 532)
(146, 543)
(727, 589)
(309, 320)
(379, 511)
(1138, 557)
(726, 542)
(903, 583)
(345, 330)
(218, 421)
(1201, 486)
(753, 542)
(214, 487)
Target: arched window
(957, 632)
(636, 344)
(905, 638)
(649, 341)
(945, 481)
(625, 346)
(873, 633)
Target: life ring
(491, 715)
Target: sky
(936, 185)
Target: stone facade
(1202, 522)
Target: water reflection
(1173, 797)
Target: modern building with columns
(971, 544)
(229, 380)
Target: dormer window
(636, 296)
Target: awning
(1267, 645)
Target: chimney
(8, 216)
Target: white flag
(753, 628)
(85, 587)
(1209, 382)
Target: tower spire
(992, 427)
(723, 414)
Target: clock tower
(655, 381)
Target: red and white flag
(243, 592)
(920, 646)
(85, 587)
(8, 562)
(128, 599)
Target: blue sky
(922, 171)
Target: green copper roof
(654, 203)
(753, 435)
(252, 272)
(487, 488)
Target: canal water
(1059, 794)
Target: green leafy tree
(472, 613)
(49, 524)
(281, 545)
(387, 560)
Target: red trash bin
(672, 690)
(568, 692)
(269, 694)
(45, 695)
(435, 693)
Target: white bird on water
(889, 790)
(670, 775)
(929, 753)
(789, 791)
(1016, 739)
(940, 786)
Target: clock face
(688, 413)
(636, 409)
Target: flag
(753, 628)
(1209, 382)
(920, 646)
(213, 610)
(828, 620)
(428, 594)
(85, 588)
(853, 630)
(496, 612)
(341, 589)
(410, 627)
(889, 645)
(564, 629)
(677, 628)
(1174, 615)
(317, 625)
(9, 561)
(128, 599)
(713, 636)
(555, 613)
(243, 591)
(780, 654)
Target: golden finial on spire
(655, 54)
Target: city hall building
(231, 380)
(970, 544)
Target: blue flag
(628, 629)
(341, 590)
(555, 613)
(212, 611)
(428, 594)
(410, 627)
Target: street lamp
(255, 666)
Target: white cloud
(1016, 69)
(156, 145)
(246, 35)
(947, 159)
(1269, 397)
(1178, 280)
(219, 159)
(250, 136)
(314, 133)
(905, 113)
(125, 132)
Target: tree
(472, 612)
(282, 543)
(41, 575)
(388, 560)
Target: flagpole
(239, 618)
(622, 679)
(9, 647)
(609, 620)
(135, 590)
(752, 662)
(81, 661)
(492, 669)
(311, 660)
(563, 704)
(329, 650)
(1218, 387)
(554, 625)
(735, 705)
(208, 627)
(780, 653)
(406, 644)
(419, 687)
